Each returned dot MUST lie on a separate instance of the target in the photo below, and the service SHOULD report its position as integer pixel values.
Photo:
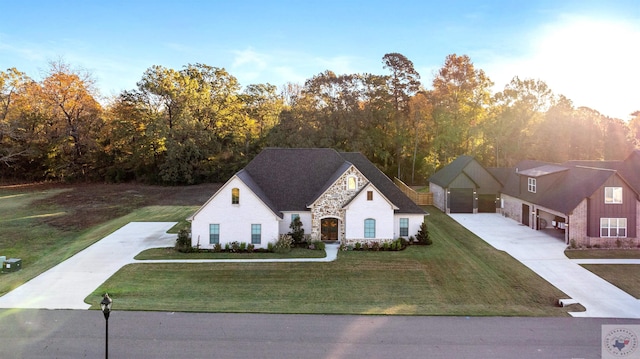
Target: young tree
(297, 232)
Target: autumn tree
(403, 83)
(460, 97)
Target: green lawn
(603, 253)
(458, 275)
(623, 276)
(27, 232)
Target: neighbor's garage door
(487, 203)
(461, 200)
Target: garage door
(487, 203)
(461, 200)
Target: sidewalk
(66, 285)
(545, 256)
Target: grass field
(458, 275)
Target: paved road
(80, 333)
(545, 256)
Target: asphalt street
(32, 333)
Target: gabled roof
(382, 183)
(289, 179)
(448, 173)
(630, 170)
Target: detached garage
(465, 186)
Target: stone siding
(330, 203)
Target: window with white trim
(235, 196)
(256, 233)
(404, 227)
(214, 233)
(531, 185)
(613, 227)
(369, 228)
(613, 195)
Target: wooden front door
(329, 229)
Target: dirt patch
(87, 205)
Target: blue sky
(588, 51)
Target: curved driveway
(66, 285)
(545, 256)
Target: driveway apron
(66, 285)
(545, 255)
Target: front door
(525, 214)
(329, 229)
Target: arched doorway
(329, 229)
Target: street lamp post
(105, 305)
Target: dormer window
(235, 196)
(613, 195)
(531, 184)
(352, 183)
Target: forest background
(198, 124)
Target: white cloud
(591, 61)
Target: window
(214, 233)
(531, 184)
(352, 183)
(369, 228)
(256, 233)
(235, 196)
(404, 227)
(613, 195)
(369, 195)
(294, 216)
(613, 227)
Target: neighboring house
(592, 203)
(464, 186)
(337, 196)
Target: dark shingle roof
(448, 173)
(289, 179)
(382, 182)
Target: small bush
(283, 244)
(358, 246)
(243, 246)
(385, 246)
(270, 246)
(423, 235)
(375, 246)
(183, 242)
(217, 247)
(573, 244)
(227, 247)
(317, 245)
(251, 247)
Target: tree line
(198, 124)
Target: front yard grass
(623, 276)
(602, 253)
(458, 275)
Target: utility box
(12, 265)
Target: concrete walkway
(66, 285)
(545, 256)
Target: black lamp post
(105, 305)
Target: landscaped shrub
(283, 244)
(358, 246)
(217, 247)
(423, 235)
(270, 246)
(243, 246)
(251, 247)
(385, 246)
(227, 247)
(375, 246)
(317, 245)
(183, 242)
(297, 232)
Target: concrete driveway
(545, 255)
(66, 285)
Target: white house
(337, 196)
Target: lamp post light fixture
(105, 305)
